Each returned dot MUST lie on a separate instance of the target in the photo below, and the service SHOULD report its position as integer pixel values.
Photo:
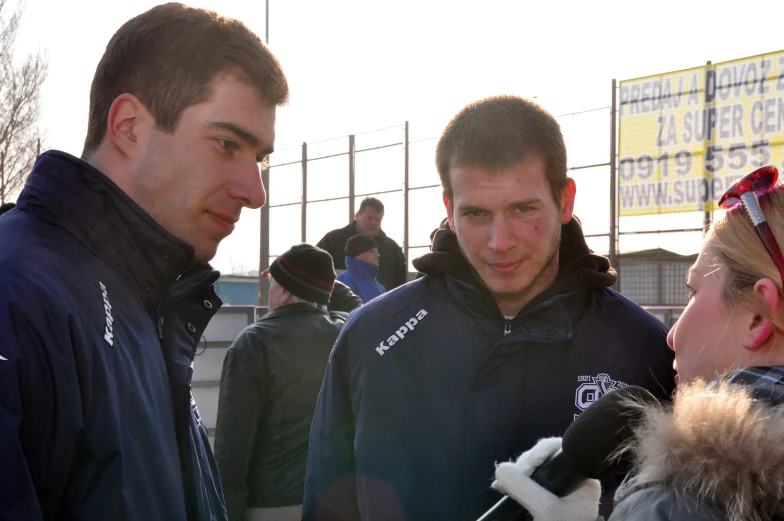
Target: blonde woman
(717, 453)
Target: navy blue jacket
(101, 311)
(361, 278)
(424, 392)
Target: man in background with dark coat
(392, 267)
(270, 382)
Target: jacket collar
(292, 310)
(579, 268)
(363, 268)
(351, 230)
(717, 444)
(77, 197)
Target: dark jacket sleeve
(343, 299)
(39, 411)
(401, 268)
(660, 503)
(335, 243)
(330, 476)
(240, 403)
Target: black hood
(578, 267)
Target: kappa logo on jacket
(401, 332)
(108, 334)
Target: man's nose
(247, 186)
(501, 236)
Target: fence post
(710, 84)
(351, 173)
(613, 187)
(264, 240)
(405, 195)
(304, 191)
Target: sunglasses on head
(747, 192)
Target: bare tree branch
(20, 105)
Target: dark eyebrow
(244, 134)
(526, 202)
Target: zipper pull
(507, 327)
(160, 328)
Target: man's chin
(204, 254)
(499, 285)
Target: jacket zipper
(158, 316)
(507, 327)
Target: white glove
(513, 479)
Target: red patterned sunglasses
(746, 192)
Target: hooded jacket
(392, 267)
(101, 311)
(715, 455)
(429, 385)
(360, 276)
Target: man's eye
(228, 145)
(690, 293)
(474, 213)
(524, 209)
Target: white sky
(357, 65)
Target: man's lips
(224, 220)
(505, 268)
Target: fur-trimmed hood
(717, 444)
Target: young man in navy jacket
(511, 334)
(106, 286)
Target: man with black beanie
(362, 258)
(269, 385)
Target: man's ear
(128, 124)
(759, 328)
(567, 200)
(449, 212)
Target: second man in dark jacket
(392, 267)
(270, 382)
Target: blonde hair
(745, 256)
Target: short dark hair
(500, 132)
(169, 56)
(7, 207)
(371, 202)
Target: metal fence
(316, 187)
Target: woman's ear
(760, 328)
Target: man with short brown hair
(512, 332)
(106, 286)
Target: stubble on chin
(544, 277)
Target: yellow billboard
(686, 136)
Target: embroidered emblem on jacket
(592, 388)
(108, 334)
(401, 332)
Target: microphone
(586, 450)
